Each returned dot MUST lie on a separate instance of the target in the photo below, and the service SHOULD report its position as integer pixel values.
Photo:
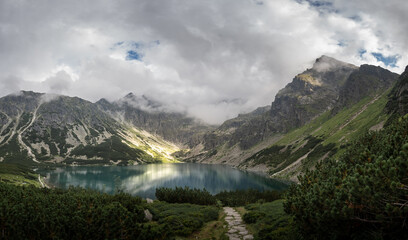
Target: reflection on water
(142, 180)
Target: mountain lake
(142, 180)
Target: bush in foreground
(185, 195)
(244, 197)
(76, 213)
(269, 221)
(363, 195)
(182, 219)
(34, 213)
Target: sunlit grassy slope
(18, 175)
(326, 135)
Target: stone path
(236, 228)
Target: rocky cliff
(321, 110)
(399, 95)
(153, 117)
(366, 81)
(311, 93)
(37, 127)
(327, 88)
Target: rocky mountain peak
(25, 94)
(325, 63)
(141, 102)
(16, 103)
(103, 101)
(330, 83)
(130, 95)
(327, 72)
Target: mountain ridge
(329, 87)
(71, 130)
(316, 114)
(172, 126)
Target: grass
(18, 175)
(279, 157)
(269, 220)
(328, 126)
(18, 180)
(334, 131)
(212, 230)
(372, 115)
(112, 149)
(182, 219)
(154, 147)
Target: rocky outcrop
(38, 127)
(44, 127)
(398, 102)
(366, 81)
(311, 93)
(151, 116)
(330, 85)
(239, 130)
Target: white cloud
(60, 83)
(194, 54)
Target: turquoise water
(142, 180)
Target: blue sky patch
(388, 61)
(341, 43)
(315, 3)
(134, 50)
(133, 55)
(361, 52)
(321, 6)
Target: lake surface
(142, 180)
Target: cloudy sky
(211, 59)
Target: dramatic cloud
(212, 59)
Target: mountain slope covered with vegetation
(315, 116)
(323, 137)
(361, 194)
(43, 128)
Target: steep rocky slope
(309, 94)
(313, 117)
(37, 127)
(366, 81)
(325, 136)
(151, 116)
(361, 106)
(326, 93)
(399, 96)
